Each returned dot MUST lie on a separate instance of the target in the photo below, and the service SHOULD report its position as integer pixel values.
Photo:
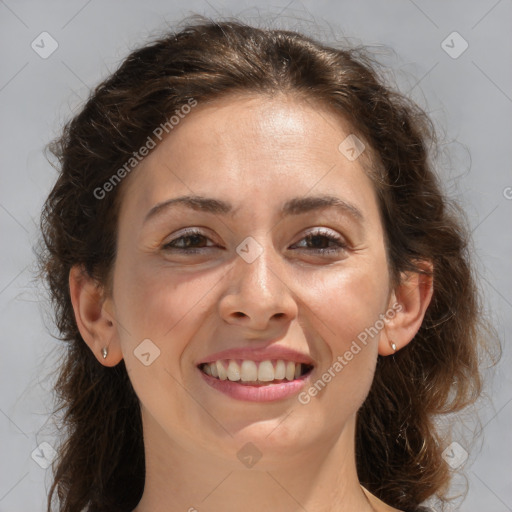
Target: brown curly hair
(398, 448)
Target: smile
(258, 381)
(255, 372)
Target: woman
(266, 295)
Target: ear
(409, 301)
(96, 324)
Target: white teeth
(221, 370)
(290, 370)
(233, 370)
(252, 371)
(266, 371)
(280, 371)
(248, 371)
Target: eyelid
(332, 236)
(185, 232)
(321, 230)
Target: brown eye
(320, 239)
(192, 241)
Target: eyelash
(314, 234)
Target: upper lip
(259, 354)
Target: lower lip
(264, 393)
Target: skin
(255, 152)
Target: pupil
(192, 237)
(320, 239)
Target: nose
(258, 294)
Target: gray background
(469, 98)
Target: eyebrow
(295, 206)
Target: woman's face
(311, 280)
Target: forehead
(246, 144)
(280, 127)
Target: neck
(185, 476)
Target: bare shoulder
(380, 506)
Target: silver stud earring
(392, 345)
(104, 352)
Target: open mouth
(256, 373)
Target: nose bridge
(260, 251)
(258, 289)
(259, 268)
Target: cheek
(165, 307)
(345, 308)
(348, 301)
(160, 304)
